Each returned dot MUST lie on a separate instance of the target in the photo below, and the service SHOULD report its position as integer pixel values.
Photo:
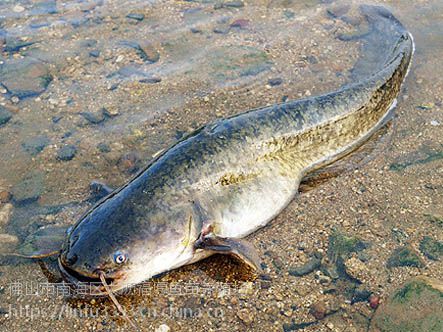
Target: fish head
(113, 241)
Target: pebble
(5, 115)
(163, 328)
(128, 162)
(18, 9)
(5, 214)
(246, 316)
(275, 81)
(5, 196)
(67, 152)
(374, 301)
(241, 23)
(93, 118)
(310, 266)
(103, 147)
(318, 310)
(94, 53)
(136, 16)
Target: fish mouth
(85, 285)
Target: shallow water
(95, 89)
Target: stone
(5, 116)
(103, 147)
(431, 248)
(35, 145)
(163, 328)
(67, 152)
(415, 306)
(129, 162)
(136, 16)
(7, 240)
(5, 214)
(356, 269)
(94, 53)
(318, 310)
(5, 196)
(27, 77)
(313, 264)
(275, 81)
(404, 256)
(342, 246)
(93, 118)
(246, 316)
(29, 189)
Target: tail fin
(387, 39)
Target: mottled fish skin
(236, 175)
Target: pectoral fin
(241, 249)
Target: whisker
(117, 305)
(49, 254)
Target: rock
(240, 23)
(360, 295)
(231, 4)
(5, 196)
(18, 9)
(319, 310)
(25, 77)
(7, 240)
(5, 115)
(431, 248)
(94, 53)
(146, 51)
(44, 240)
(356, 269)
(5, 214)
(275, 81)
(404, 256)
(293, 326)
(246, 316)
(29, 189)
(128, 162)
(341, 246)
(67, 152)
(14, 44)
(374, 301)
(150, 80)
(93, 118)
(103, 147)
(416, 306)
(310, 266)
(163, 328)
(35, 145)
(136, 16)
(44, 7)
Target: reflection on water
(95, 89)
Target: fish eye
(119, 258)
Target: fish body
(229, 178)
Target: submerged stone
(404, 256)
(29, 189)
(415, 307)
(67, 152)
(25, 77)
(431, 248)
(342, 245)
(35, 145)
(310, 266)
(5, 115)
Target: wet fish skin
(234, 175)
